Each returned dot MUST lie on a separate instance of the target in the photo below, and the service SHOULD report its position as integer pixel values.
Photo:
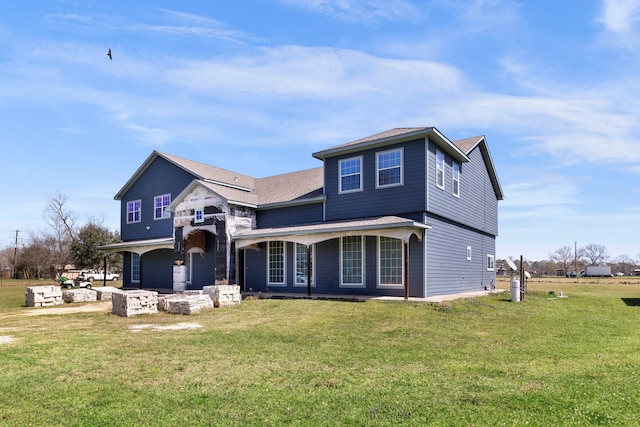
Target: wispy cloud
(367, 11)
(620, 16)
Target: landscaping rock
(79, 295)
(105, 292)
(225, 294)
(187, 304)
(43, 296)
(131, 303)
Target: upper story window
(468, 253)
(491, 262)
(455, 179)
(350, 174)
(198, 215)
(133, 211)
(389, 168)
(160, 204)
(439, 169)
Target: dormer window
(389, 168)
(350, 174)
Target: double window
(389, 168)
(350, 174)
(160, 204)
(133, 211)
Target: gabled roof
(290, 187)
(468, 144)
(234, 196)
(394, 136)
(199, 171)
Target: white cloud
(620, 16)
(359, 10)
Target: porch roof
(386, 226)
(138, 246)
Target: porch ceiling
(386, 226)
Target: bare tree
(62, 222)
(624, 264)
(594, 254)
(563, 257)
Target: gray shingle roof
(467, 144)
(294, 186)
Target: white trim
(401, 166)
(284, 263)
(195, 215)
(455, 166)
(379, 261)
(362, 284)
(360, 173)
(139, 267)
(139, 201)
(444, 165)
(468, 253)
(491, 262)
(166, 214)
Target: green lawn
(483, 361)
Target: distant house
(405, 212)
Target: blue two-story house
(405, 212)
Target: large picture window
(390, 262)
(439, 169)
(160, 204)
(351, 260)
(389, 168)
(301, 265)
(133, 211)
(276, 263)
(350, 174)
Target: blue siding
(372, 201)
(448, 270)
(477, 205)
(203, 270)
(157, 270)
(287, 216)
(161, 177)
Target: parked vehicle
(91, 275)
(77, 283)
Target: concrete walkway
(435, 299)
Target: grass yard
(483, 361)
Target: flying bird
(109, 54)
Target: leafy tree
(84, 249)
(594, 254)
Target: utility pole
(15, 257)
(575, 258)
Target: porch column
(308, 270)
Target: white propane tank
(515, 290)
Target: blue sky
(257, 86)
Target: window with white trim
(135, 267)
(351, 261)
(134, 208)
(468, 253)
(160, 205)
(439, 169)
(491, 262)
(350, 174)
(301, 265)
(389, 168)
(276, 262)
(198, 215)
(390, 262)
(455, 179)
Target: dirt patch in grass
(6, 340)
(86, 308)
(177, 326)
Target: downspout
(406, 269)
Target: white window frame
(344, 284)
(455, 179)
(440, 165)
(283, 268)
(491, 262)
(468, 253)
(301, 249)
(359, 173)
(198, 215)
(400, 284)
(165, 201)
(134, 203)
(382, 168)
(189, 257)
(135, 278)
